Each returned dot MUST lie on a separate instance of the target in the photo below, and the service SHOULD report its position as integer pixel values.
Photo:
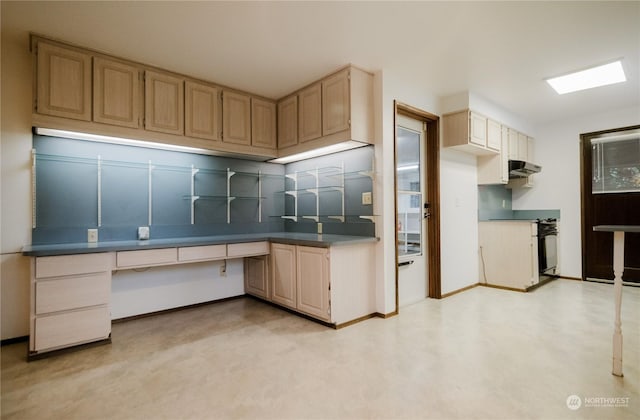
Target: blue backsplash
(116, 188)
(495, 203)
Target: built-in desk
(71, 283)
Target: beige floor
(484, 353)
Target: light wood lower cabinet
(69, 301)
(508, 253)
(256, 276)
(283, 275)
(312, 275)
(335, 284)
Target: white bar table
(618, 268)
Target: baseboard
(569, 278)
(179, 308)
(385, 316)
(493, 286)
(14, 340)
(464, 289)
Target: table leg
(618, 268)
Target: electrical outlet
(319, 228)
(366, 198)
(143, 233)
(92, 235)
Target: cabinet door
(288, 122)
(283, 274)
(236, 118)
(256, 276)
(63, 82)
(310, 113)
(164, 103)
(263, 123)
(313, 281)
(202, 111)
(115, 93)
(336, 108)
(69, 328)
(477, 129)
(513, 144)
(494, 135)
(530, 149)
(522, 147)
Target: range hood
(522, 169)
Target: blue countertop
(293, 238)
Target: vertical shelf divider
(194, 197)
(230, 173)
(149, 181)
(260, 196)
(340, 188)
(99, 191)
(294, 194)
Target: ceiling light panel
(604, 75)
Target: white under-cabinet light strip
(321, 151)
(604, 75)
(118, 140)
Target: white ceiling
(502, 51)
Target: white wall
(15, 145)
(557, 149)
(458, 195)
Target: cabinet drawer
(247, 249)
(66, 329)
(202, 253)
(72, 292)
(67, 265)
(146, 257)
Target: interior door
(610, 196)
(412, 211)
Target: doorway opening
(417, 203)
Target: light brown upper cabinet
(202, 111)
(263, 123)
(116, 93)
(336, 110)
(288, 121)
(164, 103)
(467, 130)
(310, 113)
(236, 118)
(63, 82)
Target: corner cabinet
(300, 279)
(263, 123)
(334, 285)
(335, 109)
(288, 122)
(70, 297)
(256, 276)
(63, 82)
(310, 113)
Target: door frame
(586, 222)
(432, 159)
